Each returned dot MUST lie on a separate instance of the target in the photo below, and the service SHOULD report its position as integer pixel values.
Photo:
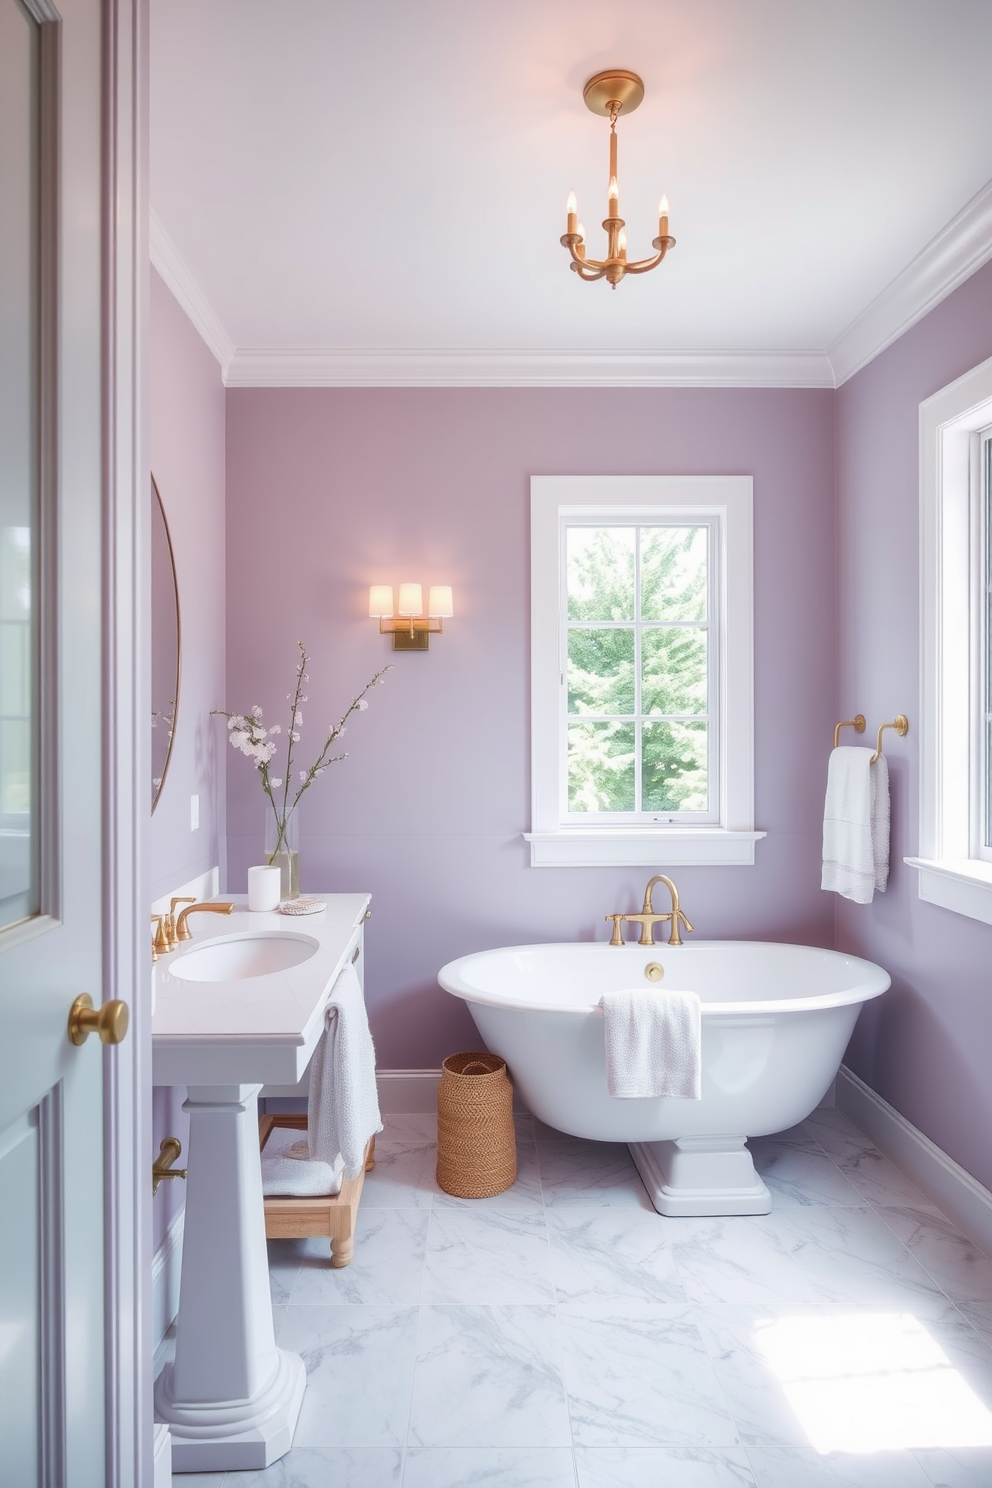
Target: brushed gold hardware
(169, 1150)
(172, 926)
(901, 725)
(654, 972)
(612, 93)
(183, 932)
(409, 627)
(625, 89)
(857, 723)
(368, 914)
(158, 938)
(110, 1020)
(647, 919)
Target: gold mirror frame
(157, 716)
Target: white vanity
(239, 1006)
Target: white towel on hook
(653, 1044)
(343, 1109)
(856, 825)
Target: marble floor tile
(360, 1366)
(958, 1267)
(284, 1262)
(488, 1377)
(524, 1194)
(834, 1131)
(852, 1258)
(487, 1258)
(979, 1315)
(753, 1392)
(341, 1467)
(737, 1260)
(802, 1467)
(957, 1467)
(798, 1174)
(590, 1174)
(403, 1177)
(663, 1467)
(494, 1467)
(612, 1253)
(639, 1375)
(388, 1264)
(407, 1129)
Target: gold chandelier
(608, 93)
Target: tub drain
(654, 972)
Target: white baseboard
(161, 1455)
(165, 1279)
(954, 1191)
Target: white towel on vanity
(287, 1172)
(856, 824)
(343, 1109)
(653, 1044)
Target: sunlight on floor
(871, 1383)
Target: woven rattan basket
(476, 1148)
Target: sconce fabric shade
(439, 602)
(380, 600)
(411, 600)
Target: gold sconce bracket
(616, 85)
(410, 634)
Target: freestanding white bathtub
(776, 1021)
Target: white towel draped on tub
(653, 1043)
(856, 824)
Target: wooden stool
(287, 1218)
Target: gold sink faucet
(183, 932)
(647, 919)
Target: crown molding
(957, 251)
(528, 369)
(169, 262)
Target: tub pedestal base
(700, 1176)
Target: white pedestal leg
(700, 1176)
(231, 1398)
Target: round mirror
(166, 645)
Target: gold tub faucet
(647, 919)
(183, 932)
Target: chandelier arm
(642, 265)
(582, 268)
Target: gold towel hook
(901, 725)
(857, 723)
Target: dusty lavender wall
(330, 490)
(187, 452)
(924, 1045)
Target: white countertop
(256, 1030)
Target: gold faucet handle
(177, 934)
(675, 938)
(160, 940)
(616, 939)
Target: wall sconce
(409, 627)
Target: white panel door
(53, 1370)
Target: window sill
(677, 847)
(963, 885)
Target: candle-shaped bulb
(614, 192)
(571, 207)
(663, 217)
(622, 242)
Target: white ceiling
(390, 176)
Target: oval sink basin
(243, 956)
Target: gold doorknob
(110, 1020)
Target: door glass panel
(19, 462)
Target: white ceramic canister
(264, 887)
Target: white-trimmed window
(641, 647)
(955, 861)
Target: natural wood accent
(294, 1219)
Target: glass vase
(282, 849)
